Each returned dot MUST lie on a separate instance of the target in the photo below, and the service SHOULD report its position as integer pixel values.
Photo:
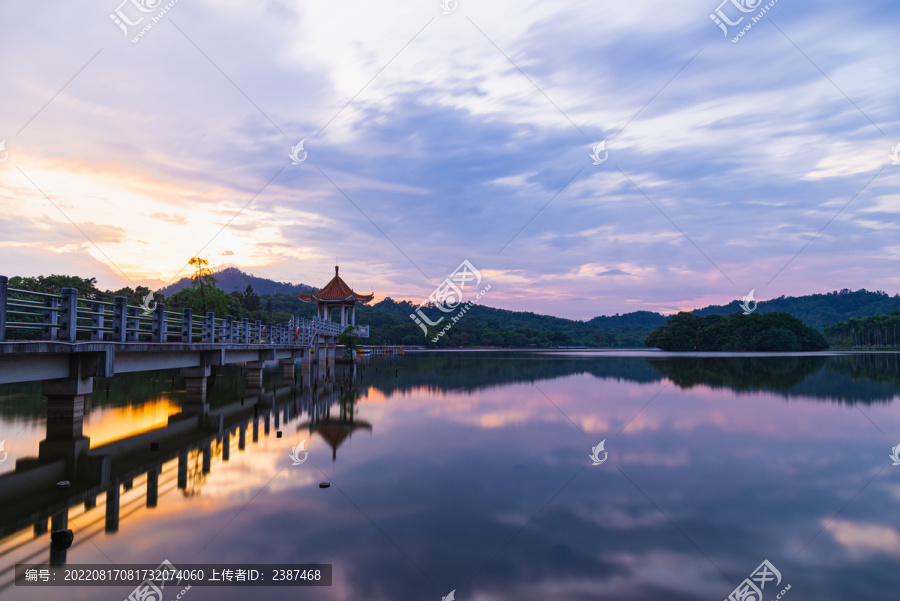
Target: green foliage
(771, 332)
(819, 310)
(877, 330)
(350, 341)
(211, 299)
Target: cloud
(450, 136)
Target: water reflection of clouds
(863, 539)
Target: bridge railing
(62, 317)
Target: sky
(140, 134)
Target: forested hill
(815, 310)
(819, 310)
(233, 279)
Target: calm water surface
(471, 471)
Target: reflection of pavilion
(336, 431)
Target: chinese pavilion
(337, 294)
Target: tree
(350, 341)
(204, 274)
(251, 300)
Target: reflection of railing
(128, 467)
(64, 316)
(362, 331)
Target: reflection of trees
(745, 373)
(195, 476)
(870, 377)
(881, 367)
(473, 371)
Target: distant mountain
(815, 310)
(819, 310)
(232, 278)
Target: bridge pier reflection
(115, 472)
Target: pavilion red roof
(335, 291)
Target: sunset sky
(435, 138)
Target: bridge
(63, 337)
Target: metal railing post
(4, 294)
(120, 313)
(70, 313)
(160, 324)
(187, 326)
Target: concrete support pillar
(254, 374)
(65, 417)
(195, 379)
(112, 508)
(207, 457)
(255, 429)
(226, 446)
(182, 470)
(59, 521)
(287, 369)
(266, 423)
(153, 486)
(332, 350)
(40, 527)
(321, 358)
(242, 437)
(277, 420)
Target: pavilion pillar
(353, 315)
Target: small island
(778, 332)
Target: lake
(482, 473)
